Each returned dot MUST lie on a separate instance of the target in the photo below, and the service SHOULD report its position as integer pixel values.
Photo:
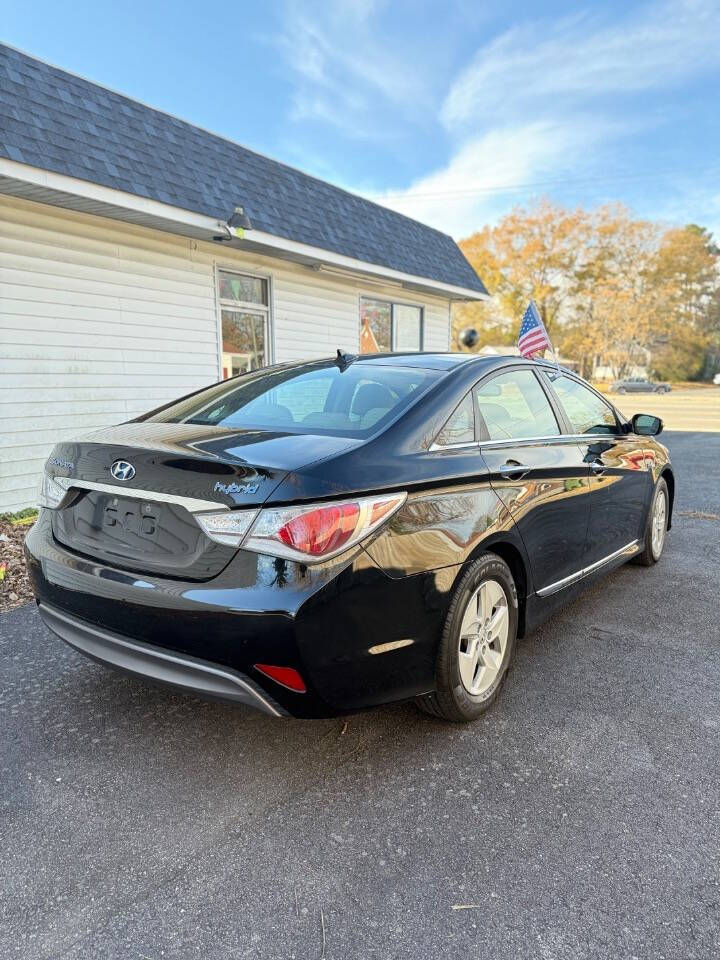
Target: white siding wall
(101, 320)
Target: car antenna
(343, 360)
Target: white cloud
(542, 105)
(557, 65)
(477, 185)
(342, 71)
(532, 107)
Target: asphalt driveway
(581, 818)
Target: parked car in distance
(318, 538)
(716, 379)
(639, 385)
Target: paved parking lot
(697, 408)
(580, 819)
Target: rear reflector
(285, 676)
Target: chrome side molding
(629, 549)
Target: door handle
(512, 470)
(597, 467)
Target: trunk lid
(145, 522)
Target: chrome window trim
(629, 549)
(192, 504)
(529, 441)
(453, 446)
(563, 437)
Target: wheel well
(514, 559)
(669, 479)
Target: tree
(609, 321)
(487, 317)
(611, 289)
(684, 279)
(529, 255)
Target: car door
(537, 470)
(619, 479)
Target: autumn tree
(684, 281)
(490, 319)
(611, 289)
(530, 254)
(610, 320)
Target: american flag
(533, 335)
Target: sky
(451, 112)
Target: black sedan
(323, 537)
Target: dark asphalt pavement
(581, 818)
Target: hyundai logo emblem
(122, 470)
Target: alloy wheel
(483, 637)
(659, 524)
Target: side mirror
(646, 425)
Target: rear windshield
(317, 398)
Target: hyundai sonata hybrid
(322, 537)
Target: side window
(460, 428)
(585, 410)
(513, 406)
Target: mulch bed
(14, 584)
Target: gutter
(60, 190)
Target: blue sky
(452, 112)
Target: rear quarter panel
(657, 459)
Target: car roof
(427, 360)
(450, 361)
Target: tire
(622, 390)
(656, 524)
(466, 688)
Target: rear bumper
(326, 622)
(161, 666)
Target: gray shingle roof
(57, 121)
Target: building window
(245, 320)
(388, 326)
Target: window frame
(557, 410)
(243, 306)
(461, 444)
(621, 424)
(364, 295)
(542, 375)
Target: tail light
(308, 533)
(51, 494)
(228, 528)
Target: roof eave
(45, 186)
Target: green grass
(20, 518)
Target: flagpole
(554, 355)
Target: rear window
(317, 398)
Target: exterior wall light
(235, 226)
